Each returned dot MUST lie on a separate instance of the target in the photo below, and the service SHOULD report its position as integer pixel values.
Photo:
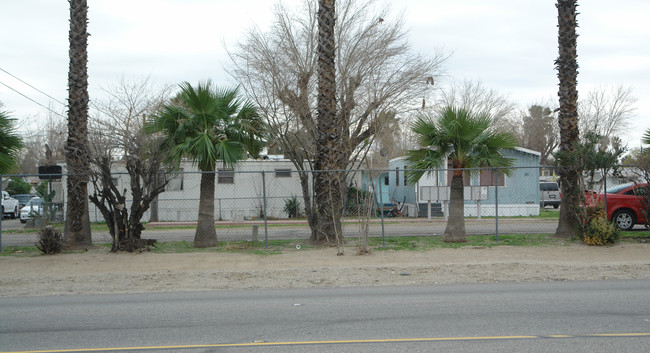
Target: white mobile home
(238, 193)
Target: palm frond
(465, 140)
(208, 125)
(10, 142)
(646, 137)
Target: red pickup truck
(625, 204)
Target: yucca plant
(292, 207)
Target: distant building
(238, 193)
(518, 193)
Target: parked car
(32, 209)
(8, 206)
(624, 204)
(549, 194)
(23, 199)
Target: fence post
(605, 190)
(381, 212)
(266, 228)
(496, 202)
(220, 217)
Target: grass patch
(100, 227)
(257, 248)
(635, 237)
(421, 243)
(31, 251)
(20, 251)
(548, 213)
(436, 242)
(543, 213)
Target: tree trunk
(455, 231)
(567, 67)
(206, 235)
(77, 222)
(153, 213)
(312, 217)
(327, 183)
(329, 210)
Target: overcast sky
(509, 45)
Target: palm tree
(567, 72)
(209, 125)
(77, 223)
(328, 181)
(646, 137)
(10, 143)
(465, 141)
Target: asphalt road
(594, 316)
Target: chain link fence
(268, 204)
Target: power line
(4, 84)
(36, 89)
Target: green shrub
(18, 186)
(600, 232)
(50, 241)
(356, 201)
(292, 207)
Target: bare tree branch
(607, 111)
(121, 151)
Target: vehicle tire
(15, 214)
(556, 206)
(624, 219)
(23, 221)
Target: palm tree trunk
(455, 231)
(327, 183)
(567, 67)
(77, 222)
(206, 235)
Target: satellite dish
(383, 152)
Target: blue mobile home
(518, 194)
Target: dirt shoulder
(98, 271)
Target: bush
(594, 229)
(356, 201)
(292, 207)
(18, 186)
(50, 241)
(600, 232)
(136, 245)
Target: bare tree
(376, 72)
(120, 144)
(539, 131)
(474, 97)
(48, 135)
(607, 112)
(391, 140)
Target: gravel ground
(97, 271)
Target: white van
(549, 194)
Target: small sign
(50, 172)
